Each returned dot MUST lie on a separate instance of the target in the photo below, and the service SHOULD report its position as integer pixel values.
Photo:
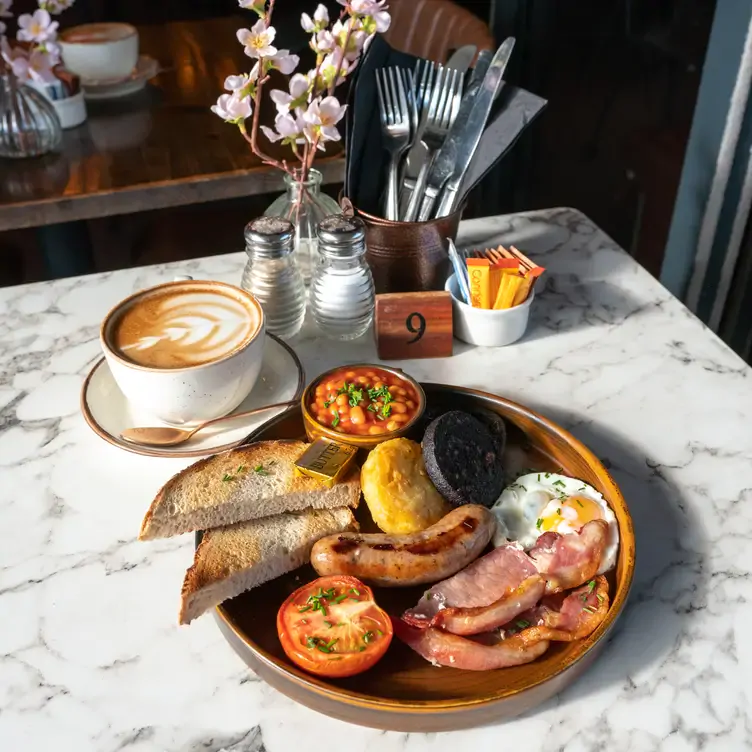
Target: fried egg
(538, 503)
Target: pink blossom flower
(375, 9)
(53, 52)
(232, 107)
(320, 19)
(336, 65)
(299, 85)
(284, 62)
(258, 41)
(240, 81)
(255, 5)
(286, 126)
(36, 27)
(323, 41)
(321, 116)
(17, 58)
(40, 67)
(55, 6)
(5, 6)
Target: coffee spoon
(165, 436)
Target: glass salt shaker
(272, 274)
(342, 291)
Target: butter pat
(325, 460)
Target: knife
(461, 58)
(455, 155)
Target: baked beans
(363, 401)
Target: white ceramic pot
(195, 393)
(487, 328)
(101, 51)
(70, 110)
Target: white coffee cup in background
(100, 51)
(185, 351)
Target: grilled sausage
(402, 560)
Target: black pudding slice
(462, 460)
(496, 427)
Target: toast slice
(231, 560)
(243, 484)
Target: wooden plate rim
(409, 707)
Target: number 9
(419, 331)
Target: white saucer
(146, 68)
(107, 411)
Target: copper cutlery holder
(409, 256)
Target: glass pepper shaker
(273, 276)
(342, 291)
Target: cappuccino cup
(100, 51)
(185, 351)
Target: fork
(395, 128)
(443, 108)
(423, 80)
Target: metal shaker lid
(270, 236)
(340, 235)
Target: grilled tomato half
(332, 627)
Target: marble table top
(91, 657)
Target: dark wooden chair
(432, 29)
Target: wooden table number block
(413, 325)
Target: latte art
(180, 329)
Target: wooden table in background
(159, 148)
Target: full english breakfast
(511, 565)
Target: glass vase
(305, 216)
(29, 125)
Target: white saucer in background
(146, 68)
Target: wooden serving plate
(403, 692)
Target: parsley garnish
(558, 483)
(355, 591)
(240, 468)
(335, 420)
(339, 598)
(589, 609)
(591, 586)
(539, 523)
(580, 503)
(227, 477)
(259, 469)
(356, 395)
(522, 624)
(367, 637)
(558, 511)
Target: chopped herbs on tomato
(342, 622)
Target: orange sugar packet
(508, 288)
(479, 275)
(499, 267)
